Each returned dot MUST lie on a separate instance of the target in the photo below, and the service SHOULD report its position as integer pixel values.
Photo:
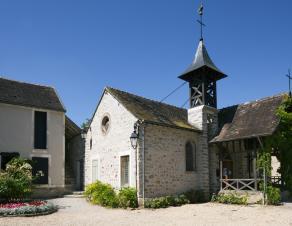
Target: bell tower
(202, 75)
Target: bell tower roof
(202, 65)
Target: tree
(86, 124)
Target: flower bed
(32, 208)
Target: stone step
(75, 194)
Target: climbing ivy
(280, 144)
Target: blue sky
(141, 46)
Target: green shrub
(273, 195)
(164, 202)
(230, 199)
(102, 194)
(195, 196)
(16, 180)
(128, 198)
(105, 195)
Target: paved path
(76, 211)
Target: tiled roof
(30, 95)
(152, 111)
(257, 118)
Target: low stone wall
(50, 192)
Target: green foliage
(102, 194)
(164, 202)
(16, 180)
(280, 144)
(273, 195)
(195, 196)
(128, 198)
(85, 124)
(230, 199)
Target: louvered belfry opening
(202, 76)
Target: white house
(33, 122)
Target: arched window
(105, 124)
(90, 143)
(190, 157)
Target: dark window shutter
(40, 130)
(189, 157)
(6, 157)
(40, 170)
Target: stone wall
(165, 163)
(108, 148)
(205, 118)
(74, 162)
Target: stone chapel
(161, 150)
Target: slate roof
(29, 95)
(254, 119)
(152, 111)
(71, 129)
(201, 64)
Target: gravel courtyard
(76, 211)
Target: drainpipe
(143, 156)
(140, 148)
(265, 181)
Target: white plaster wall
(17, 135)
(108, 149)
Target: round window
(105, 123)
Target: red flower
(20, 204)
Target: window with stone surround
(125, 162)
(105, 124)
(95, 175)
(190, 157)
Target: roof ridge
(263, 99)
(169, 105)
(255, 101)
(26, 83)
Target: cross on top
(289, 78)
(201, 12)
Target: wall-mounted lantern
(134, 137)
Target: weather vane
(289, 78)
(201, 12)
